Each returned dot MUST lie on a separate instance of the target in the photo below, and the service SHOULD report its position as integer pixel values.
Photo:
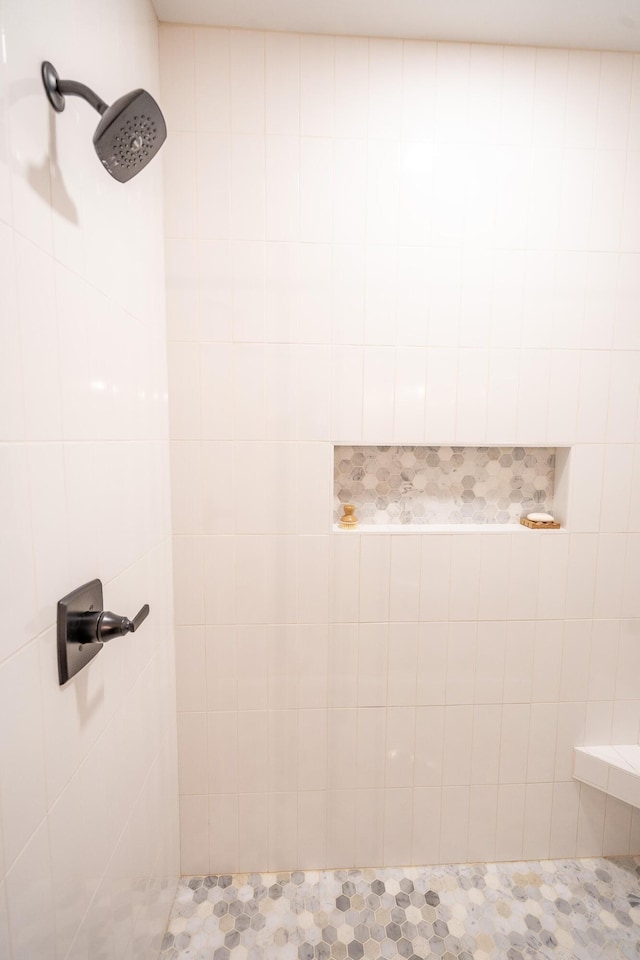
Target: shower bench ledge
(613, 768)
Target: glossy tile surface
(88, 773)
(555, 909)
(405, 243)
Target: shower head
(130, 132)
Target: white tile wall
(88, 781)
(395, 242)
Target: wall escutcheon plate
(73, 655)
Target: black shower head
(130, 132)
(129, 135)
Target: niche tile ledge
(614, 769)
(443, 528)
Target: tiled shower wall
(378, 242)
(88, 778)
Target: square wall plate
(82, 604)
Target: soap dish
(539, 524)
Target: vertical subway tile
(458, 733)
(435, 572)
(418, 89)
(253, 666)
(342, 733)
(483, 803)
(313, 665)
(253, 745)
(373, 643)
(429, 746)
(341, 827)
(581, 575)
(223, 748)
(283, 830)
(398, 811)
(212, 79)
(317, 56)
(214, 169)
(465, 577)
(427, 809)
(523, 576)
(374, 578)
(494, 574)
(537, 820)
(343, 664)
(490, 662)
(552, 581)
(609, 584)
(370, 753)
(316, 189)
(461, 662)
(24, 799)
(344, 586)
(282, 83)
(226, 579)
(385, 88)
(542, 742)
(401, 722)
(403, 664)
(510, 821)
(247, 192)
(514, 742)
(282, 193)
(591, 814)
(410, 394)
(453, 823)
(247, 55)
(312, 828)
(351, 86)
(221, 667)
(223, 833)
(485, 751)
(31, 871)
(312, 750)
(253, 832)
(432, 663)
(518, 661)
(405, 578)
(313, 579)
(369, 840)
(347, 381)
(564, 819)
(282, 666)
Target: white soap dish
(539, 521)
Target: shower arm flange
(57, 89)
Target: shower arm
(72, 88)
(57, 89)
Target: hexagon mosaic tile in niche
(422, 485)
(553, 910)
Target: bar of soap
(540, 517)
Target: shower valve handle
(84, 626)
(113, 625)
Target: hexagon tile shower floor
(556, 910)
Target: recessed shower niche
(426, 486)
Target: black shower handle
(113, 625)
(84, 626)
(141, 615)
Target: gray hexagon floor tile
(552, 910)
